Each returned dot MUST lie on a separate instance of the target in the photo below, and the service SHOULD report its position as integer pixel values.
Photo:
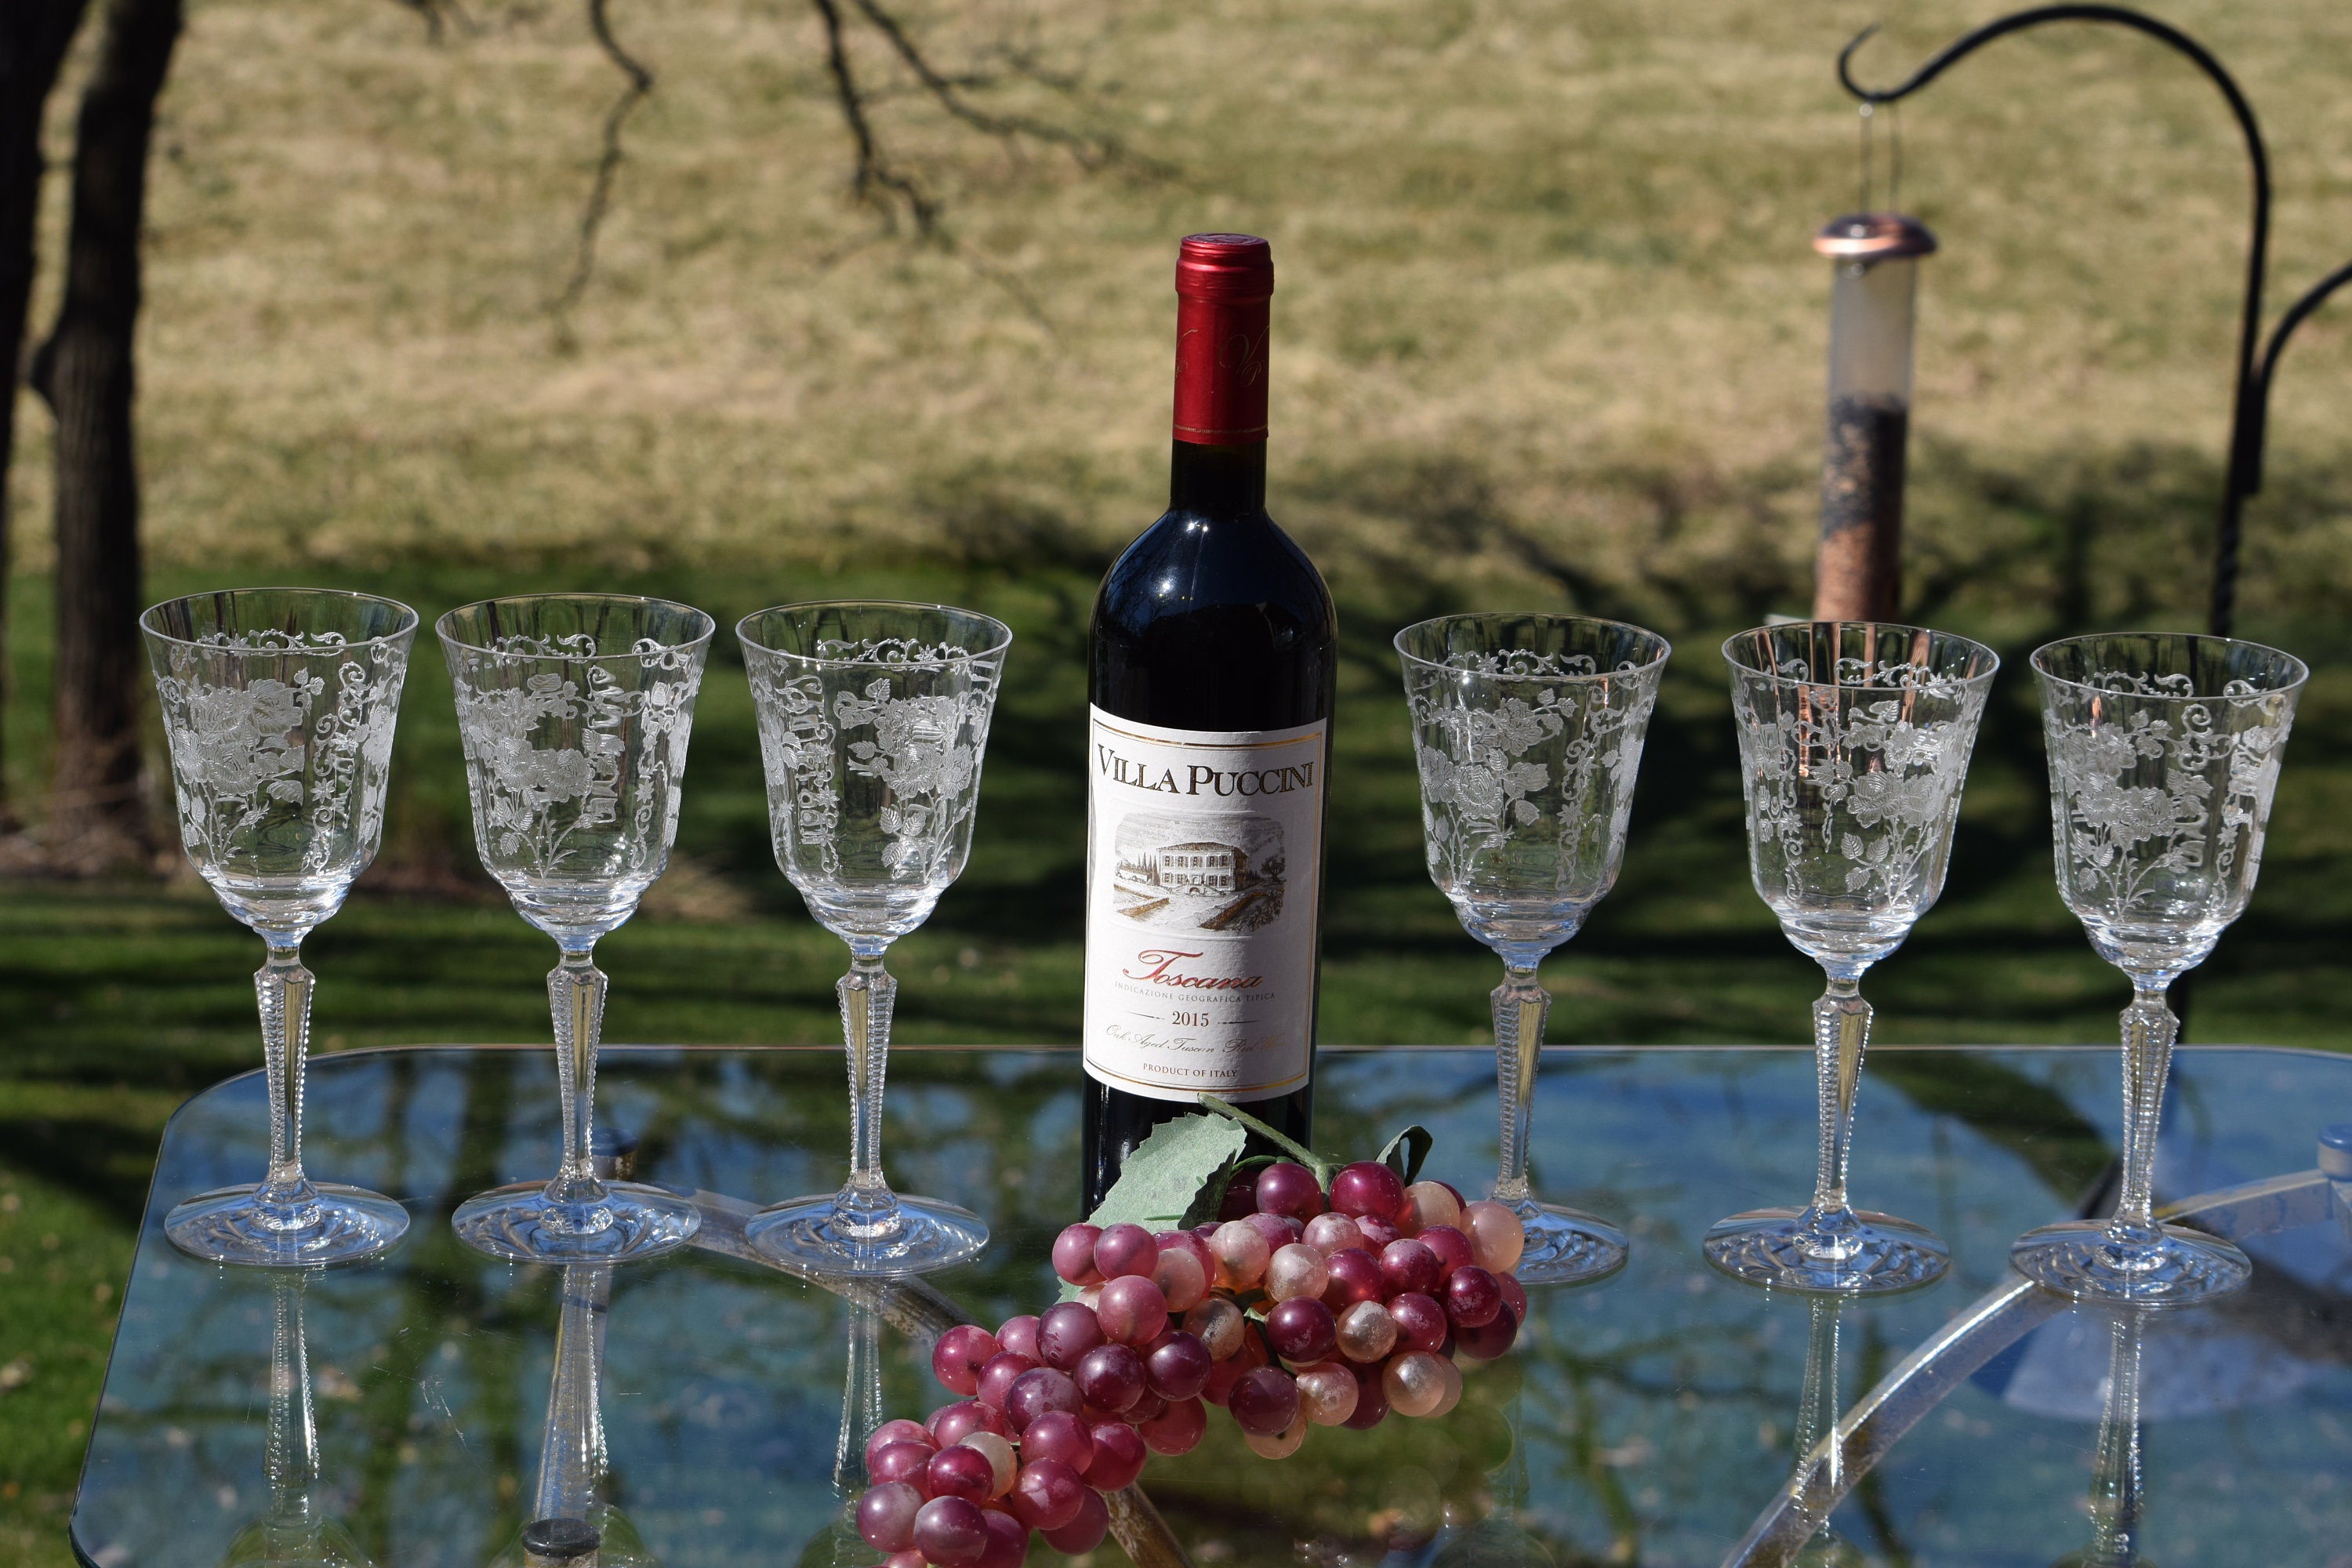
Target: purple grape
(1086, 1531)
(952, 1423)
(1111, 1377)
(996, 1378)
(1420, 1320)
(899, 1431)
(1177, 1367)
(1126, 1249)
(1239, 1202)
(1491, 1341)
(1353, 1275)
(1264, 1401)
(1047, 1495)
(1058, 1435)
(885, 1516)
(1008, 1540)
(1514, 1295)
(1067, 1333)
(1377, 1234)
(1019, 1335)
(1302, 1330)
(1131, 1312)
(1453, 1248)
(1178, 1429)
(1372, 1397)
(1143, 1410)
(900, 1461)
(1286, 1188)
(1472, 1297)
(1279, 1229)
(960, 1471)
(1035, 1392)
(1119, 1456)
(959, 1354)
(1074, 1254)
(1367, 1187)
(949, 1532)
(1409, 1265)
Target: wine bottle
(1209, 679)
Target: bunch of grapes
(1297, 1307)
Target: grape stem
(1300, 1152)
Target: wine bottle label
(1204, 857)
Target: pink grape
(1371, 1399)
(1058, 1435)
(1330, 1233)
(996, 1377)
(1217, 1323)
(1302, 1330)
(1109, 1377)
(1453, 1248)
(900, 1461)
(1019, 1335)
(1377, 1232)
(1414, 1383)
(959, 1354)
(1283, 1444)
(1133, 1310)
(1003, 1461)
(1126, 1249)
(885, 1516)
(1326, 1393)
(1074, 1254)
(1430, 1203)
(1085, 1532)
(1177, 1429)
(951, 1424)
(1420, 1320)
(1409, 1265)
(1279, 1229)
(1195, 1242)
(960, 1471)
(1496, 1237)
(1367, 1187)
(1233, 1368)
(1066, 1332)
(1472, 1297)
(1182, 1281)
(1046, 1496)
(1242, 1253)
(1119, 1457)
(949, 1532)
(1289, 1188)
(1034, 1392)
(1179, 1367)
(899, 1431)
(1491, 1341)
(1367, 1333)
(1452, 1377)
(1295, 1270)
(1008, 1540)
(1264, 1401)
(1354, 1276)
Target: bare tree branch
(640, 83)
(438, 13)
(874, 167)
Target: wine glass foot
(1877, 1255)
(805, 1234)
(2078, 1259)
(1567, 1248)
(347, 1224)
(517, 1224)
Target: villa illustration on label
(1220, 874)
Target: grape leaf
(1167, 1171)
(1406, 1151)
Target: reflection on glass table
(1646, 1418)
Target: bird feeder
(1857, 573)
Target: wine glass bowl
(574, 711)
(873, 726)
(1853, 743)
(278, 707)
(2164, 757)
(1527, 732)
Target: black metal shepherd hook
(2250, 410)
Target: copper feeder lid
(1874, 236)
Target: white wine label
(1204, 860)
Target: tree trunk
(34, 36)
(84, 370)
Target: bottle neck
(1217, 481)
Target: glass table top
(414, 1410)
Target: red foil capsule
(1224, 291)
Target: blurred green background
(1548, 334)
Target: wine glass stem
(2115, 1490)
(866, 1207)
(1817, 1415)
(1520, 1008)
(2148, 1028)
(575, 996)
(282, 987)
(1841, 1035)
(290, 1458)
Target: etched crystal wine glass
(574, 710)
(1853, 743)
(2164, 754)
(277, 706)
(873, 722)
(1528, 730)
